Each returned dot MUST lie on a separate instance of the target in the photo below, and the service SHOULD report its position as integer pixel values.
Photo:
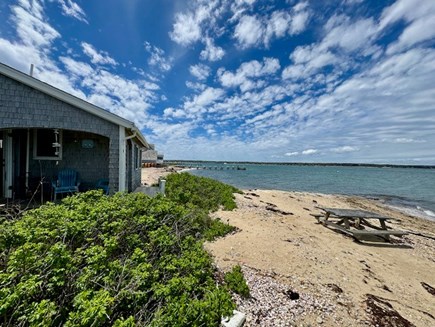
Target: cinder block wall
(24, 107)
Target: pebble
(270, 305)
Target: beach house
(44, 130)
(151, 158)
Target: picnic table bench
(342, 219)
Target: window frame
(35, 145)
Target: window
(47, 144)
(137, 157)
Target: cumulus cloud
(345, 148)
(310, 151)
(72, 9)
(157, 57)
(299, 19)
(97, 57)
(211, 51)
(189, 25)
(207, 97)
(200, 71)
(405, 140)
(186, 29)
(253, 30)
(291, 154)
(246, 76)
(348, 34)
(419, 14)
(32, 29)
(249, 31)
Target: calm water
(411, 189)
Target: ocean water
(411, 190)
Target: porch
(32, 158)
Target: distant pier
(220, 167)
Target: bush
(236, 281)
(201, 192)
(94, 260)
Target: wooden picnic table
(342, 219)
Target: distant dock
(207, 167)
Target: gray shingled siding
(135, 169)
(25, 107)
(90, 163)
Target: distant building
(151, 158)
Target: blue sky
(244, 80)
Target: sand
(340, 282)
(151, 175)
(319, 263)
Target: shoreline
(335, 276)
(340, 282)
(151, 175)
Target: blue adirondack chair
(103, 184)
(67, 182)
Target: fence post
(162, 185)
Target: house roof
(72, 100)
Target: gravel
(273, 303)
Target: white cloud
(249, 31)
(72, 9)
(277, 26)
(405, 140)
(308, 60)
(345, 148)
(291, 154)
(208, 96)
(200, 71)
(300, 18)
(196, 86)
(157, 57)
(348, 34)
(76, 68)
(186, 29)
(247, 72)
(188, 26)
(408, 10)
(310, 151)
(211, 51)
(97, 57)
(255, 30)
(31, 27)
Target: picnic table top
(351, 213)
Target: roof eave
(70, 99)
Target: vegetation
(124, 260)
(236, 281)
(200, 192)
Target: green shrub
(217, 228)
(94, 260)
(205, 193)
(236, 281)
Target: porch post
(122, 159)
(7, 151)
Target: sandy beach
(304, 274)
(151, 175)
